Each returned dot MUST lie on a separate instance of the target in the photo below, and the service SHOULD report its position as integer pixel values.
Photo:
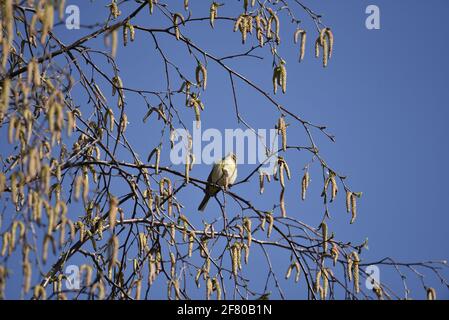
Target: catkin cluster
(322, 278)
(351, 203)
(244, 24)
(128, 27)
(267, 217)
(280, 77)
(295, 265)
(332, 182)
(282, 170)
(353, 262)
(201, 75)
(325, 41)
(178, 17)
(114, 10)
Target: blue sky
(383, 96)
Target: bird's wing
(216, 174)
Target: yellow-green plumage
(223, 174)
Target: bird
(223, 174)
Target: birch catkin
(98, 286)
(282, 203)
(40, 293)
(173, 265)
(431, 294)
(305, 184)
(2, 183)
(113, 252)
(348, 201)
(334, 253)
(261, 25)
(334, 187)
(209, 288)
(113, 208)
(201, 75)
(213, 12)
(191, 241)
(261, 182)
(317, 47)
(4, 98)
(27, 273)
(3, 274)
(325, 46)
(247, 225)
(235, 258)
(280, 77)
(12, 125)
(85, 184)
(324, 234)
(125, 34)
(318, 281)
(176, 18)
(217, 287)
(298, 270)
(326, 41)
(289, 271)
(158, 159)
(282, 129)
(353, 207)
(303, 34)
(275, 79)
(356, 261)
(275, 18)
(5, 243)
(114, 10)
(283, 76)
(349, 264)
(325, 276)
(47, 20)
(151, 4)
(88, 271)
(330, 36)
(270, 220)
(114, 42)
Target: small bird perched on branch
(223, 174)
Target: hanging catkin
(305, 184)
(356, 261)
(201, 75)
(113, 252)
(303, 34)
(353, 207)
(431, 294)
(324, 234)
(213, 12)
(176, 18)
(247, 226)
(113, 208)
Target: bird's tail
(203, 203)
